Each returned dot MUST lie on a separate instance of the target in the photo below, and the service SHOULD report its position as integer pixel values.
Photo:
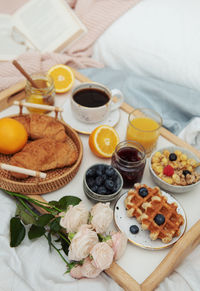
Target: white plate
(87, 128)
(142, 239)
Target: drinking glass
(144, 127)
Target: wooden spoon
(26, 75)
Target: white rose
(82, 243)
(74, 217)
(102, 255)
(119, 243)
(102, 216)
(87, 270)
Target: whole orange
(13, 136)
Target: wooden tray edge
(177, 253)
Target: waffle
(171, 226)
(134, 201)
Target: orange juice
(145, 131)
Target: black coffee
(91, 97)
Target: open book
(44, 25)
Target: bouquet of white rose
(85, 244)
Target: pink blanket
(97, 15)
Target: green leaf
(17, 232)
(54, 203)
(44, 219)
(65, 246)
(26, 217)
(49, 240)
(65, 201)
(71, 235)
(36, 231)
(55, 225)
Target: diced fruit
(134, 229)
(168, 171)
(172, 157)
(186, 172)
(159, 219)
(143, 192)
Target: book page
(11, 43)
(48, 24)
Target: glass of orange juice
(144, 127)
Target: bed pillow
(156, 38)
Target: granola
(175, 168)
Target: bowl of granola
(175, 169)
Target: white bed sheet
(156, 38)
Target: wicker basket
(56, 178)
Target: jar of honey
(129, 159)
(44, 93)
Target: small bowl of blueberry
(102, 183)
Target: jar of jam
(129, 159)
(44, 93)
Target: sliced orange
(103, 140)
(63, 77)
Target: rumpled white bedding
(191, 133)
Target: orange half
(63, 78)
(103, 141)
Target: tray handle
(21, 104)
(23, 171)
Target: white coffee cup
(92, 102)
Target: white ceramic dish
(173, 188)
(142, 239)
(86, 128)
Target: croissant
(44, 154)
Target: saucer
(87, 128)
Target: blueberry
(159, 219)
(143, 192)
(134, 229)
(90, 173)
(114, 177)
(102, 190)
(109, 184)
(94, 188)
(98, 181)
(99, 172)
(104, 177)
(90, 182)
(186, 172)
(110, 171)
(172, 157)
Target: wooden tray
(176, 254)
(55, 179)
